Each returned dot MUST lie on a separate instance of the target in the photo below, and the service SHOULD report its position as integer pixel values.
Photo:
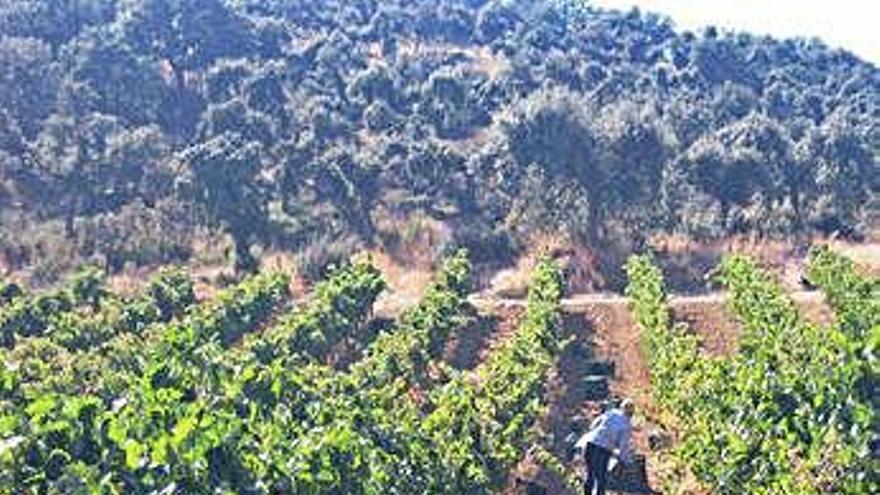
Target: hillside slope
(140, 132)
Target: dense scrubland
(134, 133)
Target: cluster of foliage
(83, 314)
(311, 123)
(336, 313)
(795, 409)
(854, 298)
(236, 395)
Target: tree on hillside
(107, 76)
(29, 83)
(185, 37)
(634, 145)
(135, 166)
(500, 117)
(53, 21)
(845, 174)
(552, 131)
(222, 183)
(730, 176)
(70, 154)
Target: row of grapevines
(673, 351)
(278, 384)
(772, 401)
(338, 310)
(404, 354)
(368, 435)
(83, 314)
(93, 350)
(783, 414)
(197, 414)
(855, 298)
(244, 428)
(358, 431)
(287, 424)
(481, 424)
(289, 398)
(57, 363)
(168, 295)
(232, 313)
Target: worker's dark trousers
(597, 469)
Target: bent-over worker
(608, 434)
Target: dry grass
(866, 255)
(585, 268)
(130, 281)
(512, 282)
(481, 58)
(687, 262)
(5, 268)
(469, 145)
(285, 262)
(406, 282)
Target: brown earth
(469, 346)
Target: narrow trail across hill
(577, 302)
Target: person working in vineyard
(608, 433)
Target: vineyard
(795, 410)
(252, 392)
(246, 394)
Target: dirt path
(579, 302)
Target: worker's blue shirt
(611, 431)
